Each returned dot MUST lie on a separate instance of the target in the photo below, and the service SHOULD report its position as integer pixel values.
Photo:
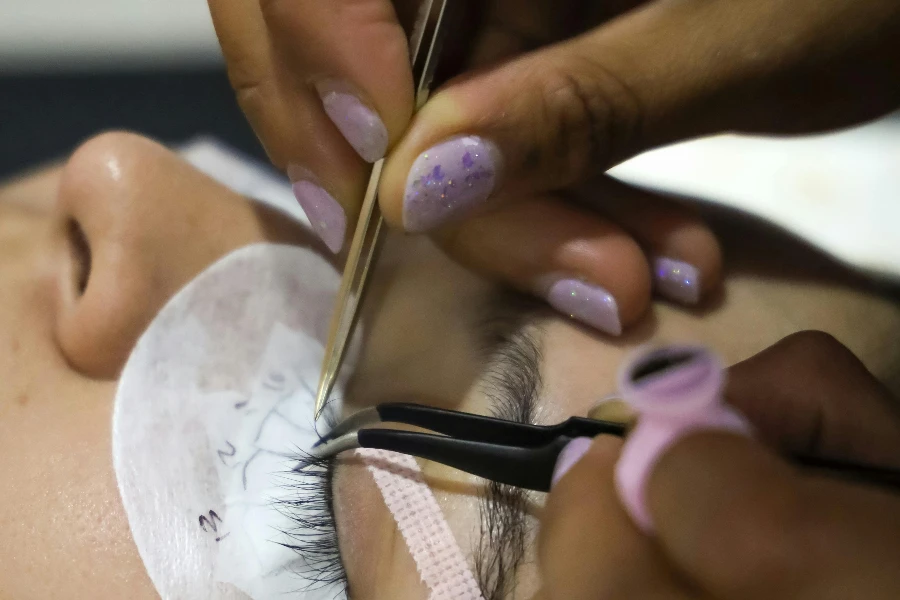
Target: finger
(586, 267)
(683, 252)
(288, 118)
(354, 54)
(665, 71)
(588, 548)
(513, 27)
(808, 394)
(742, 524)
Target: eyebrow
(510, 336)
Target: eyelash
(311, 509)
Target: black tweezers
(516, 454)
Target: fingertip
(587, 268)
(604, 448)
(608, 286)
(360, 125)
(590, 461)
(687, 262)
(440, 119)
(684, 253)
(618, 259)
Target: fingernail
(677, 280)
(613, 408)
(448, 180)
(590, 304)
(325, 214)
(570, 454)
(359, 124)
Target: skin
(578, 369)
(152, 223)
(564, 90)
(732, 520)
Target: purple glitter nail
(590, 304)
(449, 180)
(677, 280)
(360, 125)
(325, 214)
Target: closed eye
(310, 507)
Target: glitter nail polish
(676, 280)
(325, 214)
(359, 124)
(590, 304)
(448, 180)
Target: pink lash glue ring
(675, 390)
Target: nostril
(81, 255)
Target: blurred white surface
(61, 35)
(840, 191)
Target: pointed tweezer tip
(333, 447)
(322, 393)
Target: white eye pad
(215, 399)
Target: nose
(144, 223)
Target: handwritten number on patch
(209, 524)
(227, 453)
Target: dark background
(46, 116)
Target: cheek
(64, 530)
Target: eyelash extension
(314, 535)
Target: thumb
(741, 523)
(666, 71)
(587, 547)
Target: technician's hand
(733, 520)
(498, 165)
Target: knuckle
(247, 78)
(260, 105)
(248, 92)
(816, 348)
(588, 115)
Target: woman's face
(90, 252)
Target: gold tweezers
(424, 51)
